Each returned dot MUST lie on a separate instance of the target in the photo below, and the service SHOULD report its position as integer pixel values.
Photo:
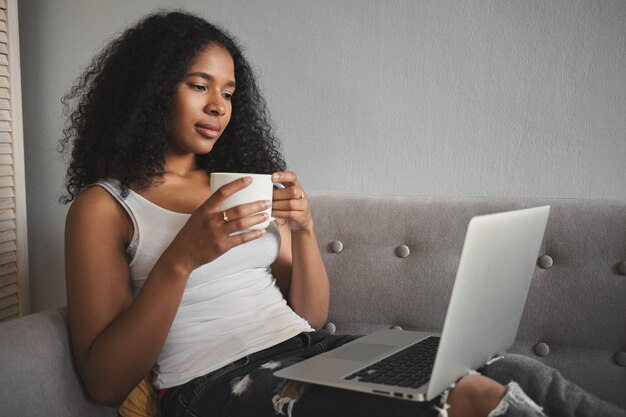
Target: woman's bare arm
(301, 276)
(115, 341)
(299, 269)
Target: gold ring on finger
(301, 194)
(225, 216)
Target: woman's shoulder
(93, 198)
(96, 208)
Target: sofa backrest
(392, 262)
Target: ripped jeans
(247, 387)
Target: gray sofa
(392, 262)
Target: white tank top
(231, 306)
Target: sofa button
(330, 327)
(403, 251)
(545, 262)
(620, 358)
(396, 327)
(541, 349)
(621, 268)
(336, 246)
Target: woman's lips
(208, 130)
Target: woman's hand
(209, 231)
(291, 203)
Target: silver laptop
(485, 309)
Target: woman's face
(202, 105)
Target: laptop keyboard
(411, 367)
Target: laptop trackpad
(360, 351)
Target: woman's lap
(249, 388)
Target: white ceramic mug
(261, 188)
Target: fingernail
(276, 176)
(247, 180)
(266, 216)
(268, 204)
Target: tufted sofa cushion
(392, 262)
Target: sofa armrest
(37, 375)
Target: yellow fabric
(141, 402)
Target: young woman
(156, 281)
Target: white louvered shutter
(14, 300)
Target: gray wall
(429, 97)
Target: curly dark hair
(119, 108)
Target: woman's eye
(198, 87)
(227, 95)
